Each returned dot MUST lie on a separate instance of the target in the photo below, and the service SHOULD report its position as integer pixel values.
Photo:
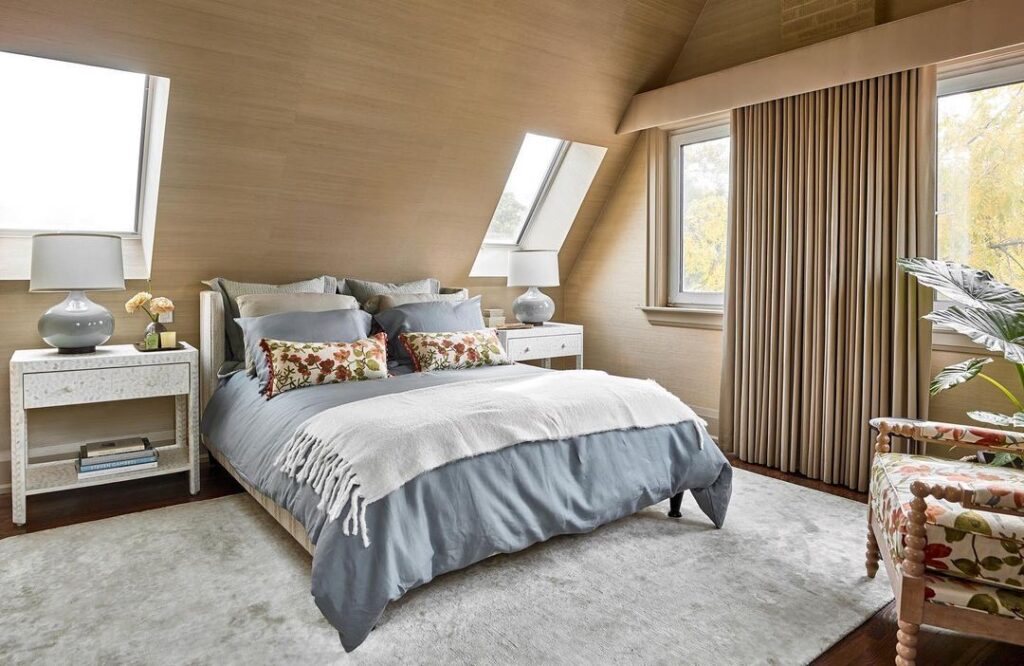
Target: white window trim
(137, 245)
(967, 75)
(656, 305)
(676, 296)
(556, 208)
(538, 201)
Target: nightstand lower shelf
(63, 474)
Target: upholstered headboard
(211, 342)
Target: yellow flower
(160, 305)
(137, 301)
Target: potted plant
(988, 312)
(153, 307)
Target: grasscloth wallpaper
(369, 139)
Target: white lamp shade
(533, 268)
(72, 262)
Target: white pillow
(384, 302)
(257, 305)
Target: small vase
(152, 336)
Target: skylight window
(71, 146)
(536, 164)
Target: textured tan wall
(607, 285)
(730, 32)
(805, 22)
(369, 139)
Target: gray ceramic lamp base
(76, 325)
(533, 307)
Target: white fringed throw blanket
(359, 452)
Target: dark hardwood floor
(874, 642)
(79, 506)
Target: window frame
(542, 193)
(956, 79)
(137, 246)
(147, 134)
(677, 140)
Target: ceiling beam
(954, 31)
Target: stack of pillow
(326, 330)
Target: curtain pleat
(822, 332)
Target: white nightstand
(44, 378)
(544, 343)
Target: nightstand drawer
(549, 346)
(71, 387)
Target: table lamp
(75, 263)
(533, 269)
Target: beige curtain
(822, 331)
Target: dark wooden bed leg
(673, 506)
(211, 461)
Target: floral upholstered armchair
(951, 533)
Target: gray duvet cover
(466, 511)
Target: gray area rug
(220, 582)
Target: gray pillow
(329, 326)
(259, 305)
(231, 290)
(387, 301)
(363, 290)
(436, 317)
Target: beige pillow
(258, 305)
(388, 301)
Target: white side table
(543, 343)
(44, 378)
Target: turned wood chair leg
(906, 645)
(673, 506)
(872, 555)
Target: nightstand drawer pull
(52, 389)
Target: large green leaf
(1001, 420)
(958, 373)
(964, 285)
(1003, 459)
(996, 330)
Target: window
(544, 191)
(980, 146)
(72, 141)
(698, 211)
(535, 165)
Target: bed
(452, 516)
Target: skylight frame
(542, 192)
(146, 130)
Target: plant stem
(1020, 373)
(153, 319)
(1006, 391)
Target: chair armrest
(967, 496)
(994, 496)
(988, 439)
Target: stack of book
(494, 317)
(116, 456)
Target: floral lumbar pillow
(454, 351)
(294, 365)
